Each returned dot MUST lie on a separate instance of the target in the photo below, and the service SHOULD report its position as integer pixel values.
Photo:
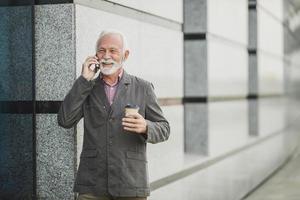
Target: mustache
(110, 61)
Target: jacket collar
(125, 78)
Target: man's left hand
(135, 123)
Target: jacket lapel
(101, 93)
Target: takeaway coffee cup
(131, 109)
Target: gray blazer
(113, 161)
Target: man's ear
(126, 54)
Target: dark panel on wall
(16, 136)
(15, 53)
(31, 2)
(16, 161)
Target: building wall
(225, 73)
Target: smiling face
(111, 54)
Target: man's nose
(106, 55)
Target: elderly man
(113, 163)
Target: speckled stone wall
(54, 50)
(196, 127)
(196, 82)
(253, 104)
(55, 74)
(55, 159)
(253, 117)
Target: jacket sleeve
(158, 129)
(70, 111)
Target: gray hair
(112, 31)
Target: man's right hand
(87, 70)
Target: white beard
(110, 70)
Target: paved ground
(284, 185)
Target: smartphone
(97, 66)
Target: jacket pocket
(136, 170)
(87, 168)
(135, 156)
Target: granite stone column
(253, 71)
(55, 74)
(195, 77)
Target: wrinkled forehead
(111, 41)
